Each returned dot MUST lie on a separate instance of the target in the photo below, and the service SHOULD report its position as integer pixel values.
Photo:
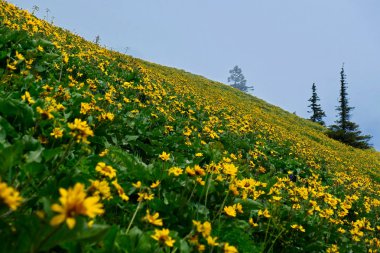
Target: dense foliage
(101, 152)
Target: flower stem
(133, 217)
(208, 188)
(221, 207)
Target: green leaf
(250, 203)
(34, 169)
(10, 156)
(51, 154)
(201, 209)
(184, 246)
(129, 241)
(18, 113)
(109, 239)
(39, 68)
(34, 156)
(144, 244)
(7, 128)
(129, 138)
(30, 143)
(45, 43)
(81, 232)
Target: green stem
(6, 213)
(275, 239)
(208, 188)
(192, 192)
(65, 154)
(266, 232)
(221, 207)
(133, 217)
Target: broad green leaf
(34, 156)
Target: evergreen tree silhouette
(238, 80)
(316, 110)
(345, 130)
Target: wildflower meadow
(103, 152)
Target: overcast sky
(281, 46)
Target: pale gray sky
(281, 46)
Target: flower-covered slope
(102, 152)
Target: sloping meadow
(102, 152)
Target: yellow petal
(58, 219)
(70, 222)
(57, 208)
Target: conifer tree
(345, 130)
(238, 80)
(316, 110)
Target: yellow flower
(39, 48)
(187, 131)
(57, 133)
(176, 171)
(105, 170)
(85, 107)
(333, 249)
(204, 228)
(253, 224)
(190, 171)
(65, 57)
(201, 247)
(106, 116)
(9, 196)
(298, 227)
(137, 184)
(74, 202)
(144, 196)
(162, 236)
(11, 67)
(27, 97)
(199, 171)
(155, 184)
(230, 211)
(212, 241)
(264, 213)
(198, 155)
(19, 56)
(104, 153)
(262, 169)
(80, 130)
(153, 219)
(200, 181)
(230, 169)
(120, 190)
(164, 156)
(239, 207)
(341, 230)
(47, 88)
(45, 114)
(101, 188)
(40, 214)
(229, 248)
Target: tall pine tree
(345, 130)
(316, 110)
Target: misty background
(282, 47)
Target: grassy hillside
(102, 152)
